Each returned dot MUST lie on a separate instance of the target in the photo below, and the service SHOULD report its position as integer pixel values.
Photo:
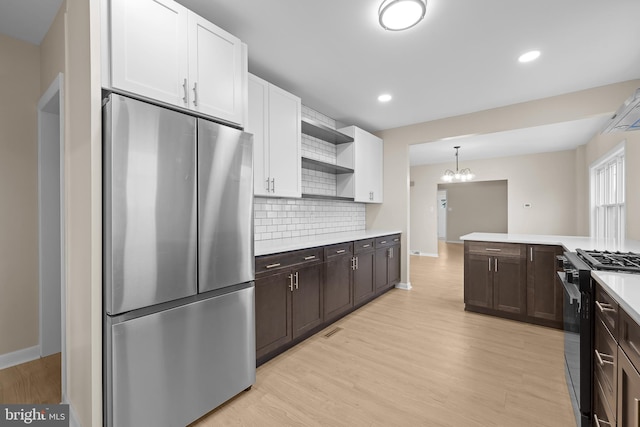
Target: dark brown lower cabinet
(394, 265)
(478, 281)
(306, 299)
(338, 280)
(544, 288)
(363, 275)
(387, 262)
(273, 313)
(382, 270)
(509, 278)
(628, 393)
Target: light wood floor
(409, 358)
(35, 382)
(413, 358)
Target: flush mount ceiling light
(385, 97)
(532, 55)
(398, 15)
(459, 175)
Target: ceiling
(462, 58)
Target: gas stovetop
(627, 262)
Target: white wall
(546, 181)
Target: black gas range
(578, 313)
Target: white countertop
(624, 288)
(570, 243)
(268, 247)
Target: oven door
(572, 323)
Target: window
(607, 196)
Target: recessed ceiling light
(397, 15)
(529, 56)
(385, 97)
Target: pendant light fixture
(398, 15)
(459, 175)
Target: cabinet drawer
(605, 361)
(384, 241)
(363, 245)
(602, 411)
(339, 249)
(629, 337)
(607, 310)
(271, 263)
(497, 249)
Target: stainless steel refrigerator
(179, 331)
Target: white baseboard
(404, 286)
(418, 253)
(21, 356)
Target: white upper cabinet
(160, 50)
(366, 157)
(148, 49)
(274, 121)
(215, 70)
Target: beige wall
(52, 51)
(475, 206)
(394, 212)
(20, 89)
(546, 181)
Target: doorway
(51, 225)
(442, 214)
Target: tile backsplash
(286, 218)
(289, 218)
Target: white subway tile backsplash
(307, 217)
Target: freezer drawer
(225, 206)
(150, 221)
(172, 367)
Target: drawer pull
(310, 257)
(604, 307)
(366, 246)
(396, 240)
(601, 361)
(597, 421)
(341, 251)
(383, 242)
(273, 265)
(493, 250)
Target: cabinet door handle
(495, 266)
(366, 246)
(277, 264)
(291, 282)
(310, 257)
(341, 251)
(268, 186)
(184, 87)
(531, 254)
(601, 361)
(296, 282)
(383, 242)
(357, 263)
(195, 94)
(489, 264)
(273, 185)
(604, 307)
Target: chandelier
(459, 175)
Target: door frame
(48, 134)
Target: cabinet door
(273, 313)
(394, 265)
(544, 290)
(258, 125)
(509, 283)
(338, 297)
(363, 283)
(478, 286)
(382, 269)
(284, 143)
(307, 300)
(628, 392)
(149, 49)
(368, 165)
(215, 71)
